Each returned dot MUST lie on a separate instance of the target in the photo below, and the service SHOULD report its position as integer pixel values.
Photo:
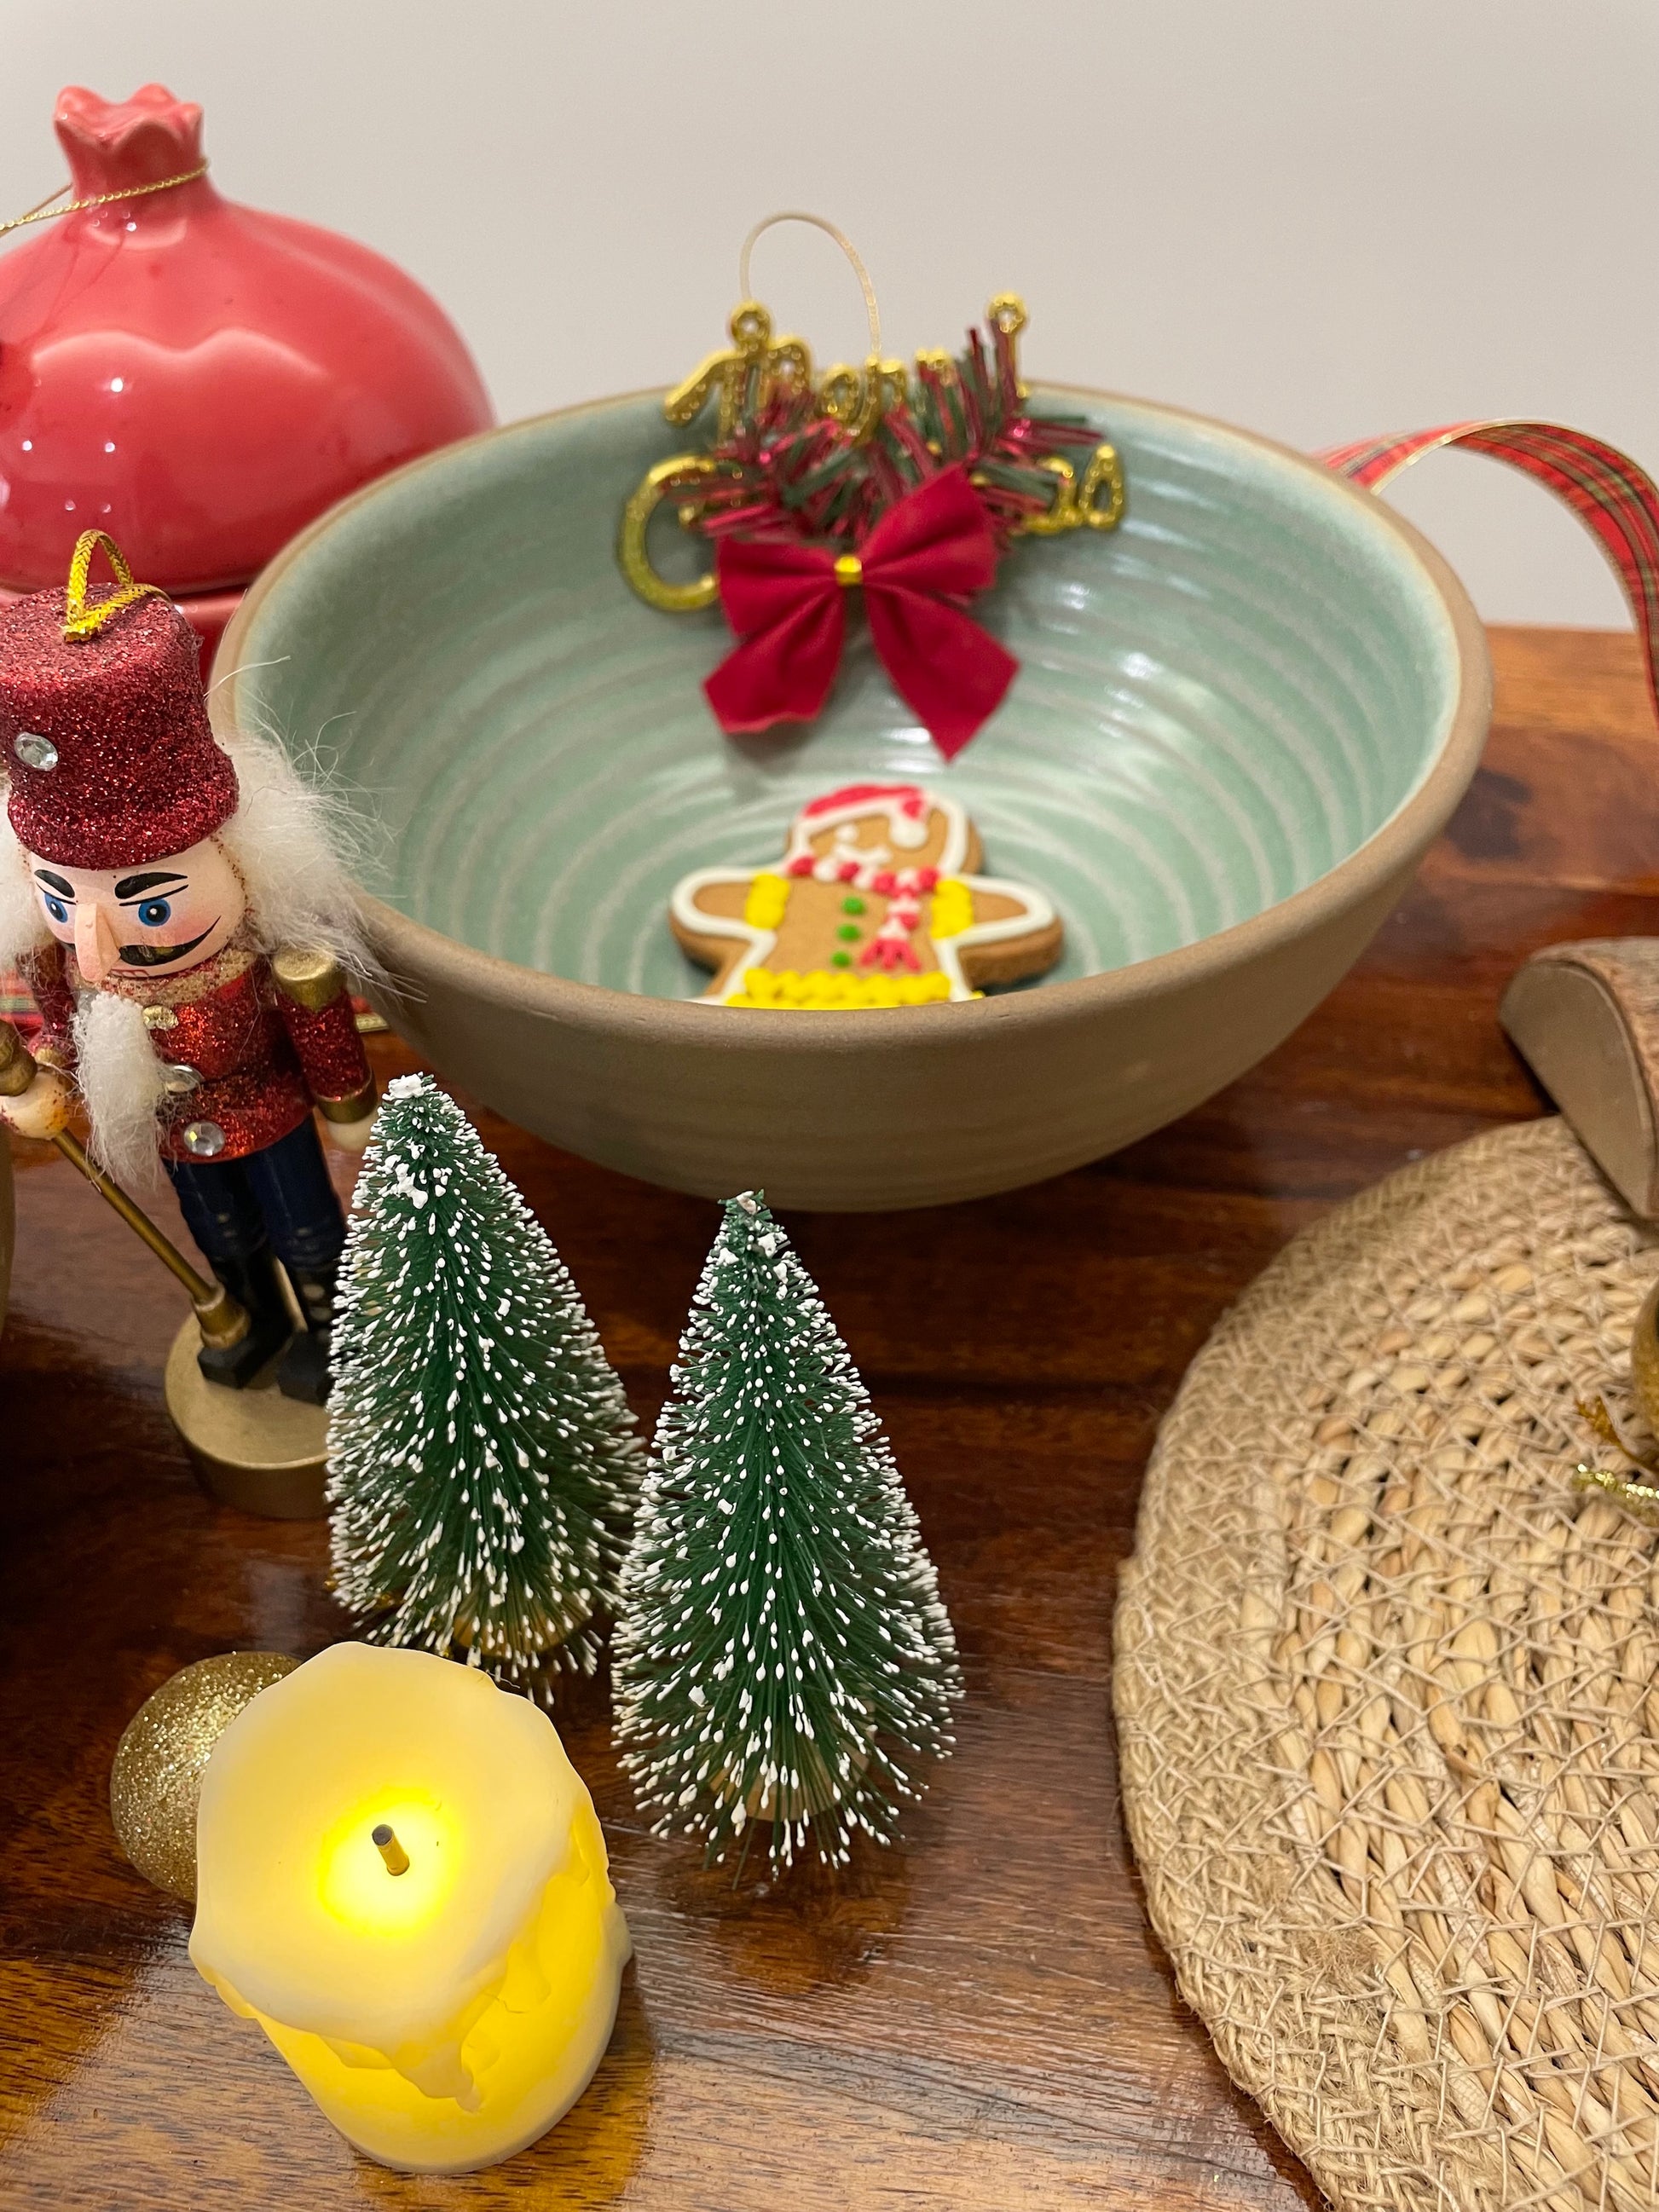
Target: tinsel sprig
(790, 468)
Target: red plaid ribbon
(1613, 498)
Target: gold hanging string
(792, 215)
(81, 621)
(44, 211)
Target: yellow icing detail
(767, 901)
(952, 908)
(825, 990)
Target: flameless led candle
(401, 1877)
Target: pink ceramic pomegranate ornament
(197, 379)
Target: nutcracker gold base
(254, 1450)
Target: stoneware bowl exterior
(1240, 721)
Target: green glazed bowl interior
(1217, 703)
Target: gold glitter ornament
(157, 1779)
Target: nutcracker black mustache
(163, 955)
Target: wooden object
(1586, 1017)
(981, 2022)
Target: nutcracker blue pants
(280, 1196)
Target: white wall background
(1320, 218)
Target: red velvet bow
(787, 602)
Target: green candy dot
(848, 933)
(841, 959)
(852, 906)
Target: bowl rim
(411, 949)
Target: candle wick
(386, 1841)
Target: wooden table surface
(979, 2019)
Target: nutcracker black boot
(257, 1288)
(304, 1373)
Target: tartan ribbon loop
(1613, 496)
(786, 602)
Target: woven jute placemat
(1387, 1694)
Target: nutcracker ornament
(179, 909)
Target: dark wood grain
(981, 2018)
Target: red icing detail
(891, 952)
(910, 801)
(925, 878)
(848, 872)
(886, 882)
(801, 865)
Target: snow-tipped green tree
(482, 1460)
(782, 1659)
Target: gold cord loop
(856, 398)
(790, 214)
(45, 210)
(81, 621)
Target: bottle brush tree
(783, 1662)
(482, 1460)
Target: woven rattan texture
(1388, 1694)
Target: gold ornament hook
(81, 621)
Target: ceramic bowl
(1239, 721)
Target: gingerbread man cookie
(876, 904)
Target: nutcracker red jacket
(260, 1058)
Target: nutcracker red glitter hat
(103, 724)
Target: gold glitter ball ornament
(157, 1779)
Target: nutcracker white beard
(119, 1077)
(290, 844)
